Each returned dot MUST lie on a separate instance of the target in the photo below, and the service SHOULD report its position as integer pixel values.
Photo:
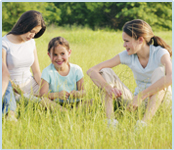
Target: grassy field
(85, 129)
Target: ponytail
(138, 28)
(157, 41)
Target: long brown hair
(138, 28)
(27, 22)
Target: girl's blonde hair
(139, 28)
(56, 42)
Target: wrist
(77, 94)
(142, 95)
(107, 87)
(58, 95)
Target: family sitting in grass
(61, 84)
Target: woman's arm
(162, 83)
(4, 57)
(99, 80)
(80, 90)
(5, 78)
(159, 85)
(94, 74)
(44, 91)
(35, 68)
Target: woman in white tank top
(19, 55)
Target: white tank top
(19, 59)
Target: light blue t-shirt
(58, 83)
(143, 75)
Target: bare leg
(153, 105)
(109, 107)
(110, 77)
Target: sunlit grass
(38, 128)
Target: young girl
(62, 81)
(148, 56)
(19, 54)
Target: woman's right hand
(113, 92)
(63, 95)
(16, 88)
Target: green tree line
(95, 15)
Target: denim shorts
(9, 102)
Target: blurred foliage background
(95, 15)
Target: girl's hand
(113, 92)
(134, 104)
(63, 95)
(74, 94)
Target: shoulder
(158, 51)
(47, 69)
(125, 58)
(47, 73)
(4, 40)
(75, 67)
(5, 43)
(76, 71)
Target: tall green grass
(38, 128)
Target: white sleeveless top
(19, 59)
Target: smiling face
(29, 35)
(132, 46)
(59, 57)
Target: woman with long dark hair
(19, 55)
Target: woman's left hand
(137, 100)
(16, 88)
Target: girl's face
(29, 35)
(60, 57)
(132, 46)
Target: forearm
(156, 87)
(97, 78)
(51, 96)
(37, 77)
(57, 95)
(16, 88)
